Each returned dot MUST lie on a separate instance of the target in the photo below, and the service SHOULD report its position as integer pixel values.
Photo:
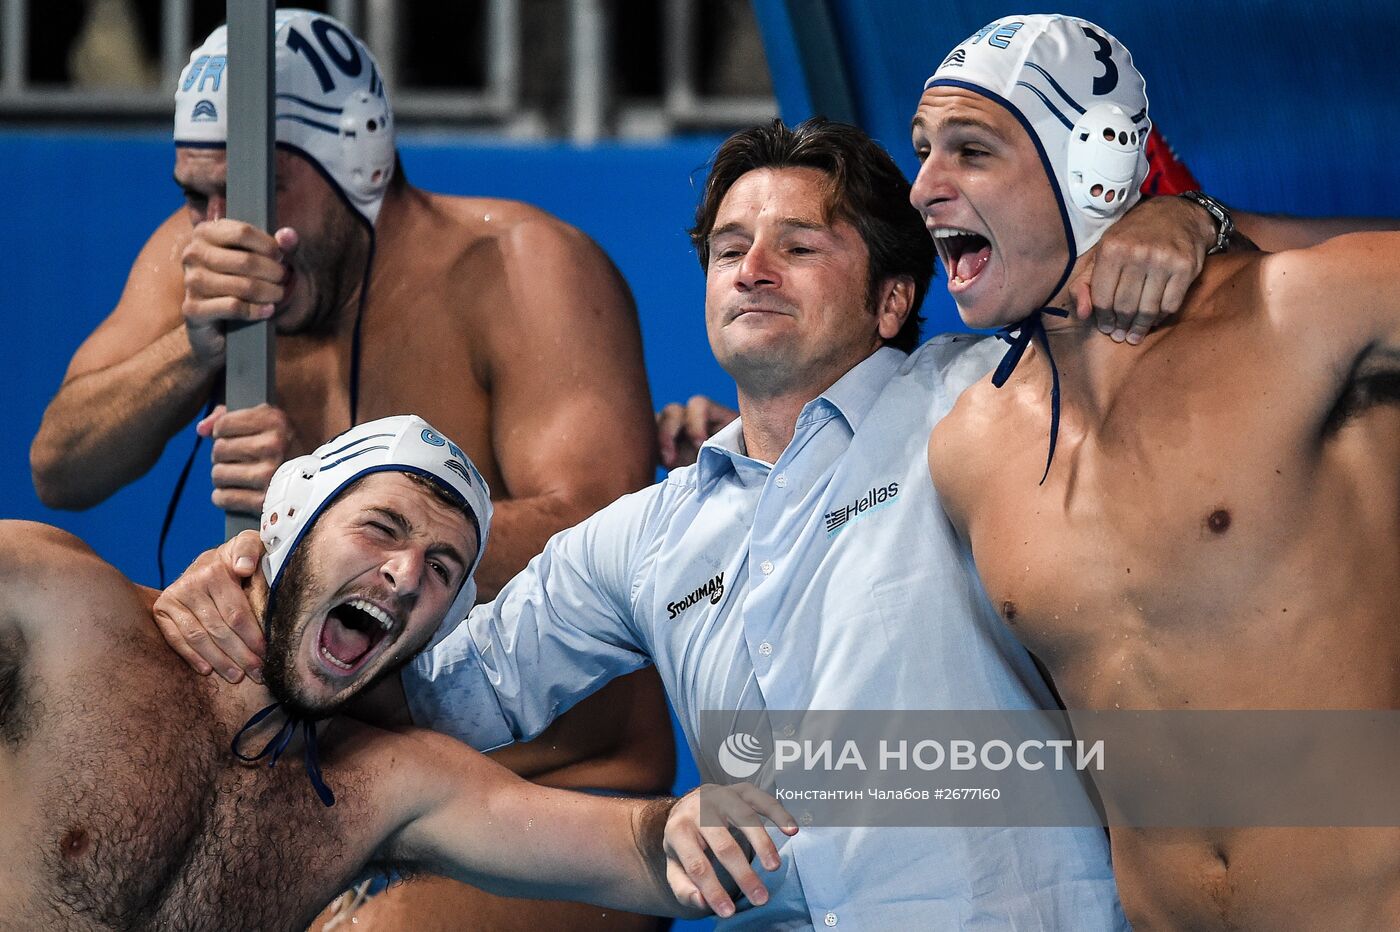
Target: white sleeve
(557, 632)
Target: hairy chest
(141, 818)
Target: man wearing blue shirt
(753, 580)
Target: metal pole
(14, 16)
(588, 70)
(680, 38)
(174, 40)
(249, 362)
(503, 54)
(382, 35)
(347, 11)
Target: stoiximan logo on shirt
(713, 589)
(878, 497)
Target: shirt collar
(852, 396)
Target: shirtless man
(1263, 569)
(506, 327)
(124, 807)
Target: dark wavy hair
(867, 190)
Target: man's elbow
(51, 468)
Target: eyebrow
(795, 223)
(405, 527)
(955, 122)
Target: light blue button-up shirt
(824, 605)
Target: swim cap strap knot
(274, 748)
(1020, 335)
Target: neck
(1087, 359)
(248, 696)
(769, 422)
(769, 413)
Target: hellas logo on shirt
(837, 519)
(713, 589)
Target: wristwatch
(1224, 223)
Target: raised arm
(1340, 300)
(571, 413)
(1277, 232)
(131, 385)
(150, 366)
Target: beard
(333, 264)
(288, 616)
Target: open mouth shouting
(352, 633)
(964, 253)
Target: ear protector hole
(1108, 133)
(1122, 138)
(372, 125)
(1096, 190)
(1110, 195)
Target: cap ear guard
(288, 494)
(1102, 159)
(367, 144)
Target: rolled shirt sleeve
(557, 632)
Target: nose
(758, 269)
(931, 186)
(403, 570)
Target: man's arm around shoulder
(1342, 295)
(469, 818)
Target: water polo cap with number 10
(331, 106)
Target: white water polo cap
(302, 488)
(330, 107)
(1075, 90)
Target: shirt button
(781, 480)
(831, 919)
(765, 648)
(767, 567)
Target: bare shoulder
(538, 252)
(46, 572)
(405, 774)
(28, 548)
(957, 446)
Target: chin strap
(1020, 335)
(278, 744)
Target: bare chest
(1167, 556)
(136, 815)
(412, 357)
